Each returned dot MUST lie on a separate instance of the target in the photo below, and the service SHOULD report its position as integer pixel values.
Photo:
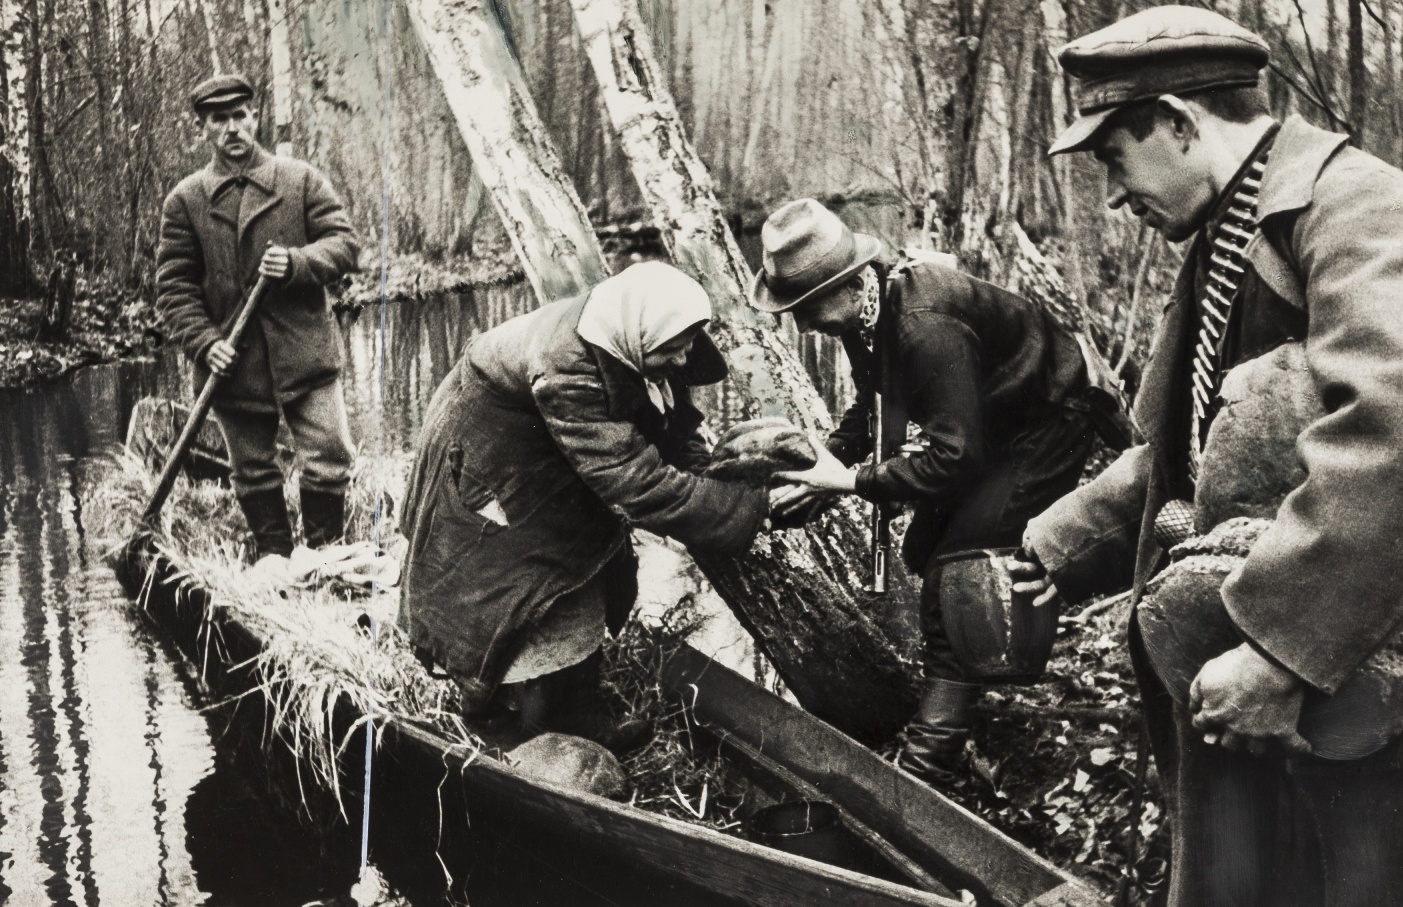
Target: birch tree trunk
(14, 156)
(280, 58)
(511, 151)
(840, 651)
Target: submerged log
(798, 592)
(155, 425)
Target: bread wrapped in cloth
(1249, 466)
(754, 451)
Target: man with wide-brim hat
(995, 388)
(251, 214)
(1296, 237)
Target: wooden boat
(437, 799)
(942, 837)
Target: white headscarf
(638, 310)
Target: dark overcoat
(539, 452)
(1321, 589)
(207, 262)
(974, 367)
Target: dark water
(115, 788)
(118, 786)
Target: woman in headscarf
(556, 433)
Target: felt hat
(220, 91)
(1175, 50)
(806, 251)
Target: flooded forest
(129, 777)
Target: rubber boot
(266, 513)
(936, 735)
(323, 517)
(570, 701)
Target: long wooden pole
(845, 654)
(200, 410)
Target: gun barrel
(881, 522)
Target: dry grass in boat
(318, 652)
(676, 774)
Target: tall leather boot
(936, 734)
(323, 517)
(266, 513)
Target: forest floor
(1056, 765)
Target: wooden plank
(943, 837)
(910, 869)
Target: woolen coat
(1324, 586)
(539, 452)
(215, 227)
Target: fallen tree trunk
(511, 151)
(845, 654)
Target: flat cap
(220, 90)
(1162, 50)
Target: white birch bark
(206, 16)
(280, 51)
(16, 128)
(511, 151)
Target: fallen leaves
(1053, 764)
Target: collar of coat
(1298, 155)
(260, 172)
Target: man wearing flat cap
(997, 390)
(250, 213)
(1296, 237)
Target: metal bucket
(996, 636)
(806, 828)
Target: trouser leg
(1355, 812)
(319, 428)
(251, 439)
(1042, 465)
(1226, 820)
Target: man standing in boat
(996, 388)
(250, 213)
(1295, 237)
